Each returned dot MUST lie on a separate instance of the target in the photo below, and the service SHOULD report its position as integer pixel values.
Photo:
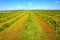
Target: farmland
(30, 25)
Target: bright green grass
(33, 30)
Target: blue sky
(29, 4)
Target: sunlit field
(30, 25)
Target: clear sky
(29, 4)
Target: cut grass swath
(10, 23)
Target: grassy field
(30, 25)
